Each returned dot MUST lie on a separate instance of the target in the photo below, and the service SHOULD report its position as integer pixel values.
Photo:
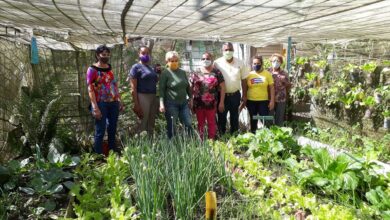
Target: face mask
(104, 59)
(256, 67)
(275, 64)
(205, 63)
(144, 58)
(173, 65)
(228, 55)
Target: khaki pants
(148, 103)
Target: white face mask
(205, 63)
(275, 64)
(228, 55)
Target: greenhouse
(195, 109)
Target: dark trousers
(109, 120)
(232, 103)
(257, 108)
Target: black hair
(258, 57)
(100, 49)
(142, 46)
(228, 44)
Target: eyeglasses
(228, 49)
(205, 59)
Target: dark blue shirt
(146, 78)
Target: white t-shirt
(232, 73)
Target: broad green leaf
(69, 184)
(373, 197)
(27, 190)
(319, 181)
(14, 165)
(276, 148)
(53, 156)
(350, 180)
(5, 174)
(75, 161)
(24, 162)
(38, 211)
(49, 205)
(55, 189)
(322, 158)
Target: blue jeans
(110, 113)
(174, 111)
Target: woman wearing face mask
(105, 98)
(174, 90)
(206, 86)
(143, 81)
(282, 85)
(260, 84)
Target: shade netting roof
(253, 22)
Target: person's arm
(244, 85)
(134, 93)
(271, 89)
(162, 87)
(91, 93)
(95, 108)
(221, 106)
(271, 104)
(244, 97)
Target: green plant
(380, 199)
(351, 97)
(301, 60)
(311, 76)
(368, 67)
(328, 174)
(321, 64)
(386, 113)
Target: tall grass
(172, 176)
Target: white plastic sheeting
(253, 22)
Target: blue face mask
(256, 67)
(275, 64)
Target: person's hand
(242, 106)
(121, 107)
(162, 108)
(97, 113)
(191, 104)
(138, 111)
(271, 105)
(221, 107)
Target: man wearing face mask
(143, 81)
(282, 85)
(206, 86)
(234, 72)
(105, 98)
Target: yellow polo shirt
(258, 85)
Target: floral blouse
(280, 82)
(104, 84)
(205, 88)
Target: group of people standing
(210, 93)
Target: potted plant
(382, 92)
(368, 69)
(369, 102)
